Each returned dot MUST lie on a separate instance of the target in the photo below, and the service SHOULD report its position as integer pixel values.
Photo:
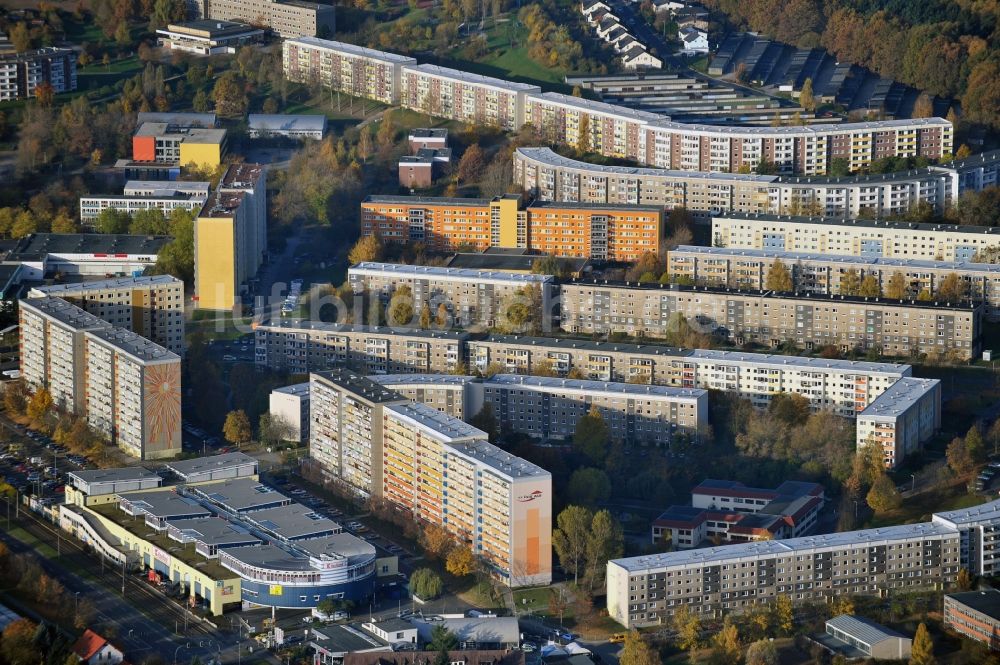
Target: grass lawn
(535, 600)
(519, 65)
(217, 325)
(920, 507)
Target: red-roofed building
(730, 512)
(93, 649)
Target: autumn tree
(779, 278)
(571, 537)
(762, 652)
(726, 647)
(883, 496)
(842, 604)
(952, 288)
(923, 107)
(229, 95)
(850, 283)
(782, 615)
(16, 396)
(975, 445)
(435, 541)
(964, 581)
(606, 542)
(470, 167)
(39, 407)
(806, 98)
(687, 626)
(958, 457)
(922, 649)
(237, 428)
(112, 220)
(636, 651)
(18, 644)
(869, 287)
(896, 287)
(460, 561)
(366, 249)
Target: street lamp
(913, 486)
(183, 646)
(77, 595)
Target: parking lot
(35, 464)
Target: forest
(949, 49)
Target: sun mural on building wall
(163, 403)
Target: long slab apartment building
(127, 387)
(285, 18)
(853, 237)
(825, 273)
(602, 232)
(549, 176)
(438, 469)
(618, 131)
(145, 195)
(893, 327)
(647, 590)
(22, 73)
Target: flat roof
(268, 556)
(189, 119)
(344, 639)
(581, 386)
(427, 200)
(300, 324)
(292, 521)
(135, 345)
(576, 205)
(842, 222)
(214, 27)
(358, 384)
(899, 398)
(286, 122)
(352, 49)
(194, 134)
(497, 459)
(443, 273)
(753, 550)
(95, 476)
(428, 132)
(469, 77)
(165, 504)
(596, 107)
(242, 176)
(213, 531)
(796, 130)
(984, 601)
(66, 313)
(800, 297)
(202, 465)
(297, 389)
(807, 363)
(956, 266)
(241, 494)
(37, 246)
(440, 425)
(184, 186)
(986, 512)
(502, 630)
(517, 262)
(338, 546)
(394, 380)
(76, 288)
(863, 630)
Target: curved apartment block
(609, 129)
(545, 174)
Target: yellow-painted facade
(505, 209)
(215, 272)
(201, 155)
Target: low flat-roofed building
(159, 507)
(289, 405)
(857, 637)
(262, 125)
(103, 254)
(205, 120)
(101, 485)
(210, 534)
(332, 643)
(208, 37)
(242, 495)
(975, 615)
(393, 630)
(293, 522)
(488, 632)
(516, 261)
(165, 200)
(424, 137)
(215, 467)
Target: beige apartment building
(549, 408)
(309, 346)
(151, 306)
(127, 387)
(286, 18)
(436, 467)
(452, 394)
(457, 95)
(355, 70)
(475, 298)
(853, 237)
(545, 174)
(902, 418)
(824, 274)
(895, 328)
(647, 590)
(133, 393)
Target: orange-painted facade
(144, 148)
